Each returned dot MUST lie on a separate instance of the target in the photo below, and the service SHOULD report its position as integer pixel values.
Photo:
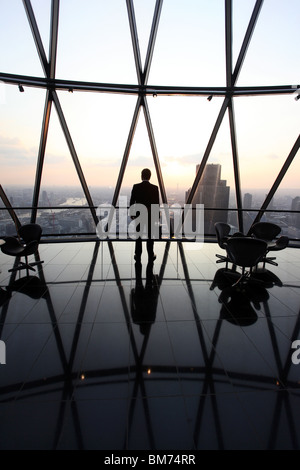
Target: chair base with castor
(25, 265)
(246, 253)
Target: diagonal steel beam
(279, 178)
(236, 170)
(49, 70)
(10, 209)
(154, 152)
(228, 42)
(36, 36)
(135, 41)
(127, 151)
(53, 37)
(208, 150)
(47, 108)
(231, 81)
(41, 155)
(247, 40)
(153, 34)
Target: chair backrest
(246, 252)
(265, 230)
(30, 232)
(222, 230)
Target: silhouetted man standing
(147, 194)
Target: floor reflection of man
(144, 298)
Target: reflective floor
(102, 353)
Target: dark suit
(147, 194)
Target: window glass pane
(182, 127)
(94, 42)
(99, 124)
(20, 128)
(216, 188)
(58, 167)
(60, 185)
(190, 47)
(19, 55)
(241, 15)
(144, 11)
(286, 199)
(42, 13)
(267, 128)
(272, 54)
(8, 226)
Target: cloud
(9, 141)
(54, 159)
(141, 161)
(13, 153)
(273, 156)
(193, 159)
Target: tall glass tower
(212, 192)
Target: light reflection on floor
(102, 353)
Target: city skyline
(65, 211)
(260, 192)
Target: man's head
(146, 174)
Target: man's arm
(156, 195)
(132, 200)
(132, 197)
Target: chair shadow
(32, 286)
(241, 302)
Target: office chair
(268, 231)
(246, 253)
(222, 231)
(27, 244)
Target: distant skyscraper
(247, 203)
(44, 198)
(296, 207)
(213, 192)
(248, 216)
(295, 203)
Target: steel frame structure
(50, 83)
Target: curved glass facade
(102, 350)
(112, 87)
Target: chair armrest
(11, 242)
(12, 246)
(31, 248)
(282, 241)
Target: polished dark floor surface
(103, 355)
